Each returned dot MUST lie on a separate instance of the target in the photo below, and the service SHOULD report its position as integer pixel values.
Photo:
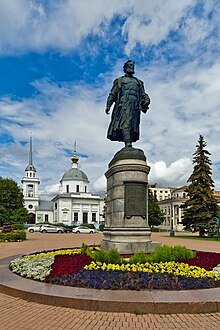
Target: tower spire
(30, 166)
(31, 151)
(74, 158)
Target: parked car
(51, 229)
(67, 229)
(34, 228)
(83, 230)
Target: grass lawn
(196, 238)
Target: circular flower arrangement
(73, 267)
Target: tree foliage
(11, 202)
(201, 206)
(155, 215)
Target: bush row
(162, 253)
(14, 236)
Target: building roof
(45, 205)
(74, 174)
(180, 188)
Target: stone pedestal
(126, 222)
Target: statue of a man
(130, 98)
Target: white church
(73, 205)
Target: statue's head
(129, 67)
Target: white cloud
(185, 95)
(185, 103)
(62, 25)
(49, 191)
(150, 22)
(170, 176)
(100, 184)
(30, 25)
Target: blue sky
(58, 60)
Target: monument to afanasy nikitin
(126, 222)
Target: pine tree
(201, 206)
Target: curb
(138, 302)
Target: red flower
(67, 264)
(207, 260)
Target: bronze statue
(130, 98)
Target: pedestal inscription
(135, 199)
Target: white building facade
(171, 208)
(170, 201)
(73, 205)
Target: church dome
(74, 174)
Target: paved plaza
(17, 314)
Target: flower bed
(73, 267)
(207, 260)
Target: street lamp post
(172, 233)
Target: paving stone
(19, 314)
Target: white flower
(216, 269)
(34, 268)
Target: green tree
(20, 215)
(11, 202)
(155, 215)
(201, 206)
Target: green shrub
(171, 253)
(14, 236)
(111, 257)
(87, 249)
(101, 256)
(89, 225)
(17, 226)
(114, 257)
(140, 257)
(101, 227)
(163, 253)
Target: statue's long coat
(125, 119)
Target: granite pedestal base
(126, 222)
(128, 240)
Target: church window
(30, 190)
(30, 206)
(85, 189)
(65, 216)
(76, 216)
(46, 217)
(94, 217)
(77, 188)
(55, 206)
(30, 175)
(85, 217)
(34, 175)
(67, 188)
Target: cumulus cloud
(33, 25)
(183, 106)
(49, 191)
(170, 176)
(150, 22)
(184, 93)
(62, 25)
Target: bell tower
(30, 184)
